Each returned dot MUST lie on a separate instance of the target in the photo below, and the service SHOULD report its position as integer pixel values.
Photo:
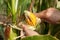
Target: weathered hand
(28, 32)
(51, 15)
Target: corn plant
(15, 7)
(12, 6)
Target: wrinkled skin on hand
(51, 15)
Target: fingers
(41, 14)
(23, 26)
(53, 15)
(27, 31)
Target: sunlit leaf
(41, 37)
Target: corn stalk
(14, 7)
(11, 33)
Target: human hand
(51, 15)
(27, 31)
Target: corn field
(12, 13)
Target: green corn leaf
(2, 31)
(13, 34)
(14, 6)
(24, 5)
(14, 9)
(41, 37)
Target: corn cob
(31, 20)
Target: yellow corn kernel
(30, 18)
